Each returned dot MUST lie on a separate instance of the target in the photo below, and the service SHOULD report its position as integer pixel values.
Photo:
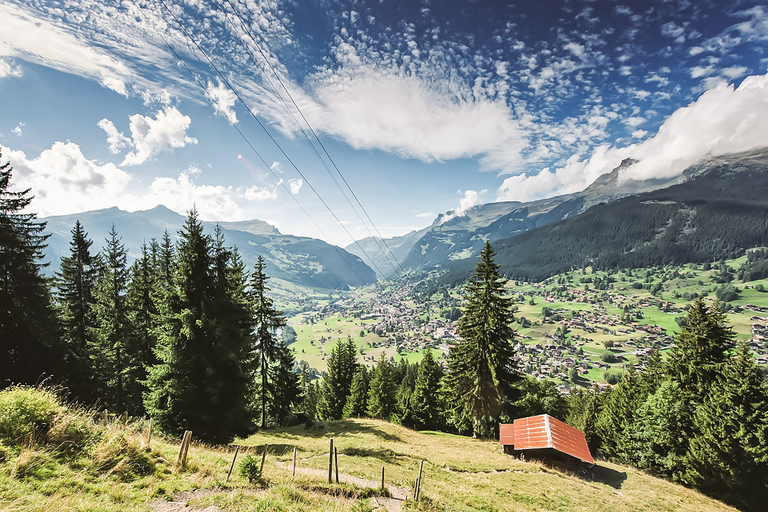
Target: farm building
(546, 438)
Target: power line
(242, 135)
(250, 34)
(271, 137)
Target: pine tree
(309, 392)
(618, 413)
(482, 367)
(425, 401)
(407, 382)
(203, 376)
(75, 283)
(336, 384)
(381, 391)
(728, 458)
(142, 308)
(27, 352)
(267, 320)
(655, 441)
(701, 350)
(286, 388)
(117, 365)
(357, 401)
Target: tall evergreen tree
(425, 401)
(142, 308)
(267, 320)
(202, 379)
(26, 316)
(334, 390)
(116, 358)
(381, 391)
(285, 385)
(357, 400)
(481, 366)
(728, 458)
(75, 283)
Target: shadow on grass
(608, 476)
(330, 429)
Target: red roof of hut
(544, 431)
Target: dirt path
(398, 495)
(394, 503)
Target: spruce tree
(357, 400)
(267, 321)
(142, 308)
(75, 283)
(701, 350)
(286, 387)
(336, 384)
(381, 391)
(425, 401)
(27, 324)
(203, 376)
(116, 361)
(728, 458)
(481, 366)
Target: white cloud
(10, 68)
(379, 109)
(223, 100)
(261, 193)
(213, 202)
(115, 139)
(166, 132)
(17, 130)
(723, 120)
(699, 71)
(64, 181)
(634, 121)
(295, 185)
(471, 198)
(734, 72)
(40, 41)
(574, 176)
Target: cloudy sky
(343, 119)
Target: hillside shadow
(330, 429)
(608, 476)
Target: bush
(27, 414)
(250, 468)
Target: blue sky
(423, 107)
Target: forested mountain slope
(721, 210)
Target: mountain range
(300, 260)
(714, 209)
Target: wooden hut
(546, 438)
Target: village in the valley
(567, 331)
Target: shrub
(27, 414)
(250, 468)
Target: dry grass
(80, 463)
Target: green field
(573, 294)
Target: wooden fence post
(294, 462)
(185, 440)
(232, 466)
(336, 462)
(330, 463)
(263, 458)
(382, 478)
(417, 494)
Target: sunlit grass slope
(55, 457)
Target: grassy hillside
(59, 458)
